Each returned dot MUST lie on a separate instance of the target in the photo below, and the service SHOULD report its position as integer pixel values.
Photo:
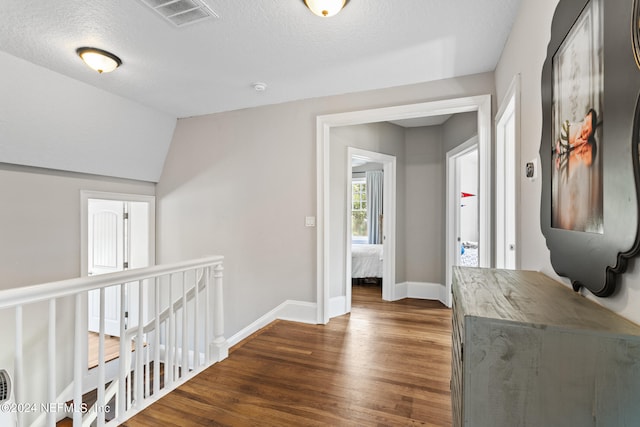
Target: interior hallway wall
(240, 184)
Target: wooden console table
(528, 351)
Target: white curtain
(375, 182)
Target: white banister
(165, 323)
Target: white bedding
(366, 261)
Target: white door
(106, 254)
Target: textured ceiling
(210, 66)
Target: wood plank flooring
(385, 364)
(111, 348)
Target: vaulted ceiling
(170, 72)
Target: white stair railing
(183, 331)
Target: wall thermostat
(531, 169)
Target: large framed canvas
(589, 146)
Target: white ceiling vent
(181, 12)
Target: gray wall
(424, 220)
(240, 184)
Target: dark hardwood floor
(385, 364)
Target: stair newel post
(221, 347)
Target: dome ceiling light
(98, 59)
(325, 8)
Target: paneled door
(107, 253)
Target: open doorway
(118, 233)
(331, 221)
(370, 232)
(463, 240)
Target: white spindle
(140, 350)
(121, 408)
(185, 328)
(156, 339)
(207, 315)
(80, 330)
(19, 363)
(51, 348)
(196, 330)
(171, 344)
(100, 402)
(127, 301)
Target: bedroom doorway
(370, 231)
(331, 242)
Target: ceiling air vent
(181, 12)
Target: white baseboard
(421, 290)
(296, 311)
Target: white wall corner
(296, 311)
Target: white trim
(480, 103)
(421, 290)
(510, 103)
(295, 311)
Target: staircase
(180, 325)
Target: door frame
(388, 221)
(452, 222)
(510, 105)
(480, 103)
(85, 195)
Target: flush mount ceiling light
(98, 59)
(325, 8)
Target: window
(359, 209)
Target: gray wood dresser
(528, 351)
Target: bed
(366, 264)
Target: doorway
(385, 224)
(331, 227)
(463, 242)
(118, 233)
